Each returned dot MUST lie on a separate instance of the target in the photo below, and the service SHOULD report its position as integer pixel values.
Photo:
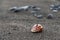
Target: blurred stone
(50, 16)
(12, 8)
(39, 16)
(55, 11)
(25, 8)
(32, 6)
(55, 8)
(18, 10)
(34, 13)
(36, 9)
(9, 32)
(51, 7)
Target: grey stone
(25, 8)
(55, 8)
(50, 16)
(32, 6)
(18, 10)
(34, 13)
(54, 11)
(39, 16)
(36, 9)
(12, 8)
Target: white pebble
(39, 16)
(55, 11)
(12, 8)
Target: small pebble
(32, 6)
(25, 8)
(9, 32)
(39, 16)
(13, 8)
(52, 5)
(55, 8)
(34, 13)
(50, 16)
(18, 10)
(36, 9)
(55, 11)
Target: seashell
(37, 28)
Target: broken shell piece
(37, 28)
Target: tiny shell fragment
(37, 28)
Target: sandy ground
(16, 26)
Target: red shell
(37, 28)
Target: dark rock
(32, 6)
(55, 7)
(50, 16)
